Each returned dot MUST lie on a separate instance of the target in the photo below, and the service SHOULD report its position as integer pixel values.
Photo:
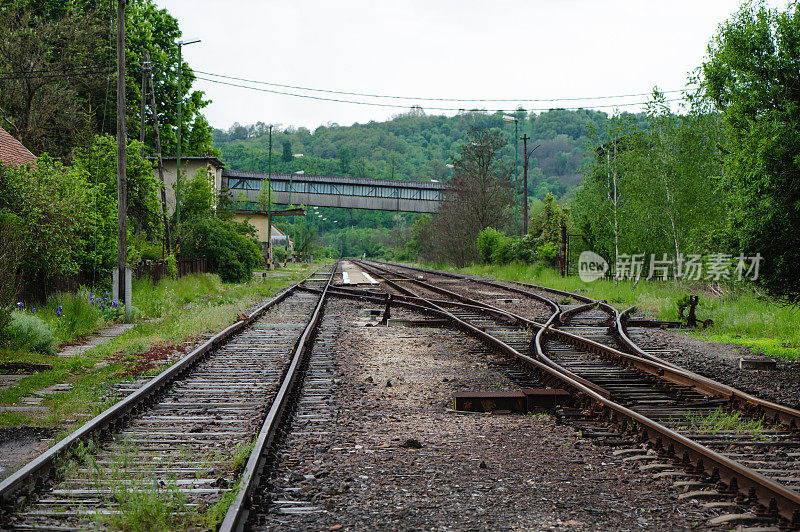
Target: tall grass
(154, 301)
(741, 316)
(78, 316)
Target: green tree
(752, 76)
(479, 197)
(55, 114)
(96, 163)
(197, 198)
(43, 211)
(287, 152)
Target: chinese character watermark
(692, 267)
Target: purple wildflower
(58, 313)
(20, 305)
(115, 304)
(102, 307)
(33, 310)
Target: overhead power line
(386, 96)
(398, 106)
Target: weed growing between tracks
(741, 316)
(176, 312)
(144, 499)
(721, 420)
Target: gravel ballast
(397, 457)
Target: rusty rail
(775, 498)
(42, 469)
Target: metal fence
(156, 270)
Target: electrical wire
(386, 96)
(397, 106)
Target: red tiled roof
(12, 152)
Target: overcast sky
(498, 49)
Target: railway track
(188, 442)
(733, 445)
(198, 439)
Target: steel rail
(478, 306)
(776, 499)
(644, 361)
(236, 516)
(42, 469)
(777, 412)
(496, 284)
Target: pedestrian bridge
(333, 191)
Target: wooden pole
(122, 226)
(158, 153)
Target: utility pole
(122, 228)
(526, 158)
(269, 202)
(516, 178)
(158, 152)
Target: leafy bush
(172, 266)
(229, 250)
(547, 253)
(150, 251)
(27, 331)
(524, 249)
(489, 240)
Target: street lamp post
(508, 118)
(270, 264)
(181, 44)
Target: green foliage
(229, 250)
(489, 241)
(54, 114)
(43, 210)
(652, 189)
(416, 146)
(27, 332)
(172, 266)
(722, 421)
(287, 151)
(96, 164)
(197, 196)
(279, 254)
(751, 76)
(5, 322)
(78, 316)
(547, 223)
(479, 196)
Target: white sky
(440, 48)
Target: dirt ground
(472, 471)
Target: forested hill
(416, 146)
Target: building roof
(12, 152)
(213, 160)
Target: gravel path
(472, 471)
